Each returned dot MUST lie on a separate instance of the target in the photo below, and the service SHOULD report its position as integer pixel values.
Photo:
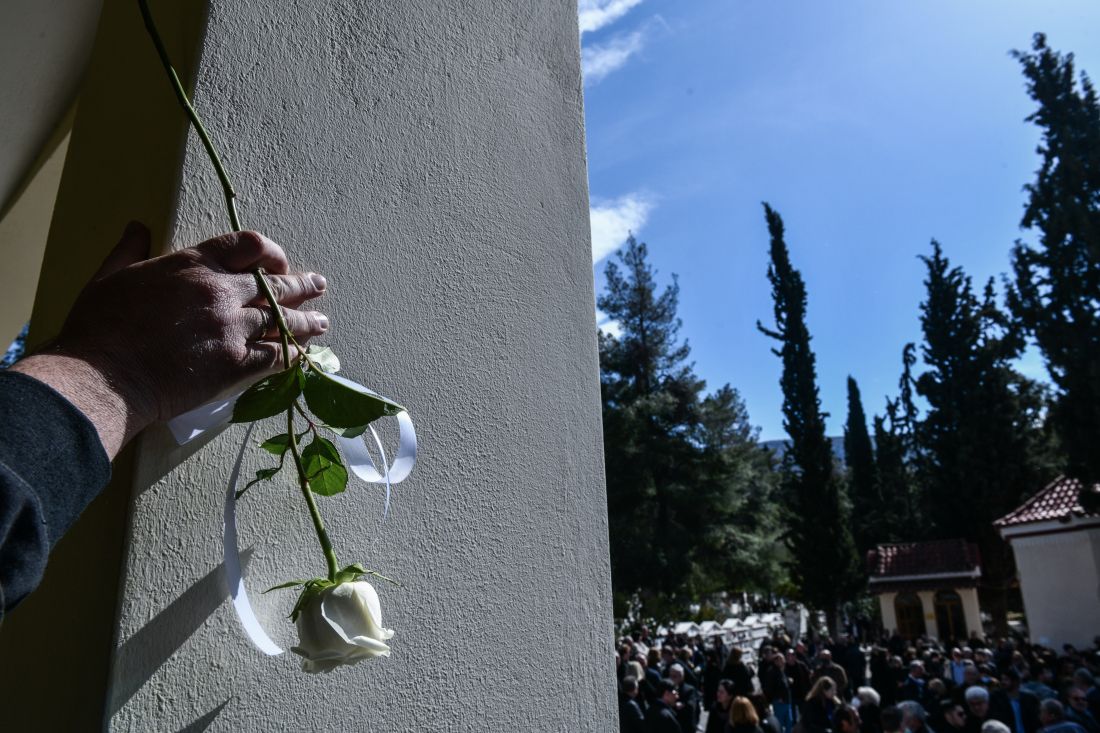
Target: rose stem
(261, 280)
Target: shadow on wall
(204, 722)
(144, 652)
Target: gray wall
(429, 159)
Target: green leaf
(342, 406)
(288, 584)
(323, 358)
(269, 396)
(350, 432)
(277, 445)
(264, 474)
(324, 467)
(311, 590)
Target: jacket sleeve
(51, 466)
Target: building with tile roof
(1057, 548)
(927, 588)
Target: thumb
(133, 247)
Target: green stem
(181, 95)
(303, 479)
(284, 332)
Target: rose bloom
(342, 625)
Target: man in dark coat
(913, 687)
(737, 672)
(631, 717)
(662, 715)
(828, 668)
(687, 711)
(1016, 708)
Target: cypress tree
(1056, 288)
(823, 563)
(863, 485)
(981, 440)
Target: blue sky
(871, 125)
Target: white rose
(342, 625)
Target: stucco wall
(429, 160)
(1060, 583)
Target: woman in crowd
(820, 705)
(743, 718)
(718, 720)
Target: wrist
(117, 411)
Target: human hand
(148, 339)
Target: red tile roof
(939, 557)
(1058, 501)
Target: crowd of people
(678, 684)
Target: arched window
(950, 619)
(909, 612)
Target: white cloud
(608, 326)
(612, 222)
(600, 60)
(595, 14)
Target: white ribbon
(190, 425)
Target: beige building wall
(971, 611)
(886, 607)
(1060, 581)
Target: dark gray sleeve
(51, 466)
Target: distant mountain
(779, 447)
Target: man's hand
(148, 339)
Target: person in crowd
(977, 708)
(146, 340)
(891, 719)
(768, 722)
(719, 713)
(1078, 710)
(870, 710)
(1013, 706)
(821, 703)
(994, 726)
(1042, 684)
(631, 717)
(935, 693)
(738, 672)
(743, 717)
(650, 676)
(914, 718)
(798, 672)
(955, 668)
(853, 661)
(881, 676)
(687, 709)
(1084, 680)
(712, 676)
(972, 676)
(777, 689)
(1053, 718)
(846, 719)
(661, 717)
(954, 717)
(826, 667)
(913, 687)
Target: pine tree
(1056, 293)
(681, 470)
(823, 565)
(863, 485)
(981, 441)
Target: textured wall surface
(428, 158)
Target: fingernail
(322, 321)
(319, 281)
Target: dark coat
(662, 719)
(688, 714)
(912, 689)
(741, 676)
(1000, 708)
(631, 717)
(718, 719)
(774, 683)
(817, 715)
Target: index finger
(243, 251)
